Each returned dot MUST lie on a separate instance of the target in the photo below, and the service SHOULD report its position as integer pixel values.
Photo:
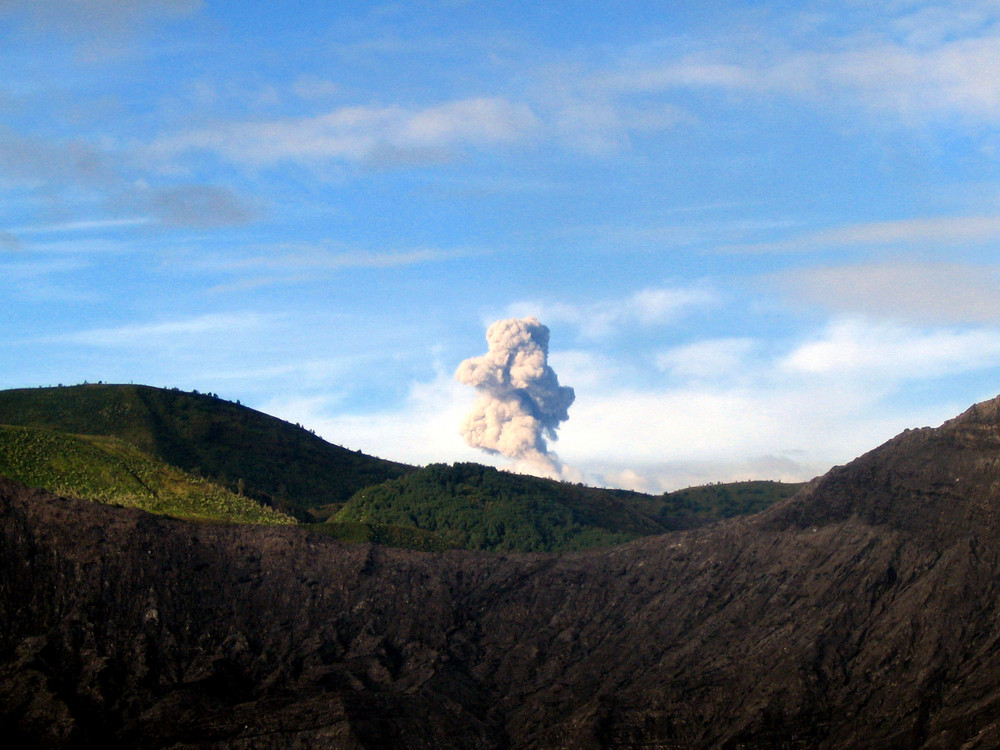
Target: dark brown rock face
(864, 612)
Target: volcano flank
(862, 612)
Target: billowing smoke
(520, 402)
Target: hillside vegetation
(108, 470)
(195, 455)
(696, 506)
(478, 507)
(272, 461)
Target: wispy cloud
(647, 307)
(920, 292)
(91, 225)
(957, 77)
(919, 232)
(296, 264)
(101, 29)
(898, 66)
(167, 332)
(357, 133)
(916, 75)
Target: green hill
(475, 506)
(262, 457)
(696, 506)
(198, 456)
(108, 470)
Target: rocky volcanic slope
(863, 613)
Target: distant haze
(521, 403)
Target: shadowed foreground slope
(863, 612)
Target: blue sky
(763, 235)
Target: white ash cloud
(521, 403)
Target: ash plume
(520, 402)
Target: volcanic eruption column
(520, 400)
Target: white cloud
(479, 120)
(891, 352)
(658, 306)
(658, 477)
(760, 417)
(652, 306)
(422, 430)
(956, 77)
(714, 359)
(688, 73)
(674, 438)
(355, 133)
(930, 25)
(909, 64)
(918, 292)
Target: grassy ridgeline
(274, 462)
(107, 470)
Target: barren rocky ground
(863, 612)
